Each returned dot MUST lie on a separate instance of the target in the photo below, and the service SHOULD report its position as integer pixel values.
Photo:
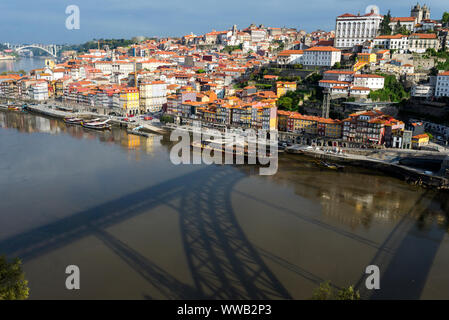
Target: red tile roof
(323, 49)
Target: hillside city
(254, 163)
(375, 81)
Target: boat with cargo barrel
(97, 125)
(73, 120)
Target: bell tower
(417, 13)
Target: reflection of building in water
(365, 208)
(386, 205)
(24, 122)
(148, 144)
(132, 142)
(129, 141)
(29, 123)
(43, 125)
(2, 120)
(350, 198)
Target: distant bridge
(51, 49)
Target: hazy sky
(43, 21)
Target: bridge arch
(53, 50)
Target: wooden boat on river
(97, 125)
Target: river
(139, 227)
(22, 63)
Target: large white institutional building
(352, 29)
(442, 88)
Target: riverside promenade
(54, 112)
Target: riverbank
(135, 126)
(357, 158)
(391, 167)
(121, 210)
(2, 58)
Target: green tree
(397, 27)
(337, 65)
(445, 18)
(401, 29)
(167, 119)
(313, 79)
(13, 285)
(393, 91)
(325, 292)
(229, 49)
(285, 103)
(348, 294)
(431, 52)
(384, 26)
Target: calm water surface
(141, 228)
(24, 63)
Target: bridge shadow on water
(222, 261)
(405, 269)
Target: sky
(44, 21)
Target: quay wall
(408, 174)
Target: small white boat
(73, 120)
(97, 125)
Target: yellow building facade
(129, 101)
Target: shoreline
(410, 175)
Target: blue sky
(43, 21)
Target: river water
(23, 63)
(139, 227)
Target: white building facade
(442, 87)
(39, 90)
(407, 22)
(152, 95)
(372, 81)
(423, 91)
(397, 42)
(321, 56)
(420, 42)
(351, 30)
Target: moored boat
(328, 165)
(14, 108)
(97, 125)
(73, 120)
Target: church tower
(417, 13)
(420, 13)
(425, 12)
(234, 29)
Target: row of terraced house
(366, 128)
(227, 112)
